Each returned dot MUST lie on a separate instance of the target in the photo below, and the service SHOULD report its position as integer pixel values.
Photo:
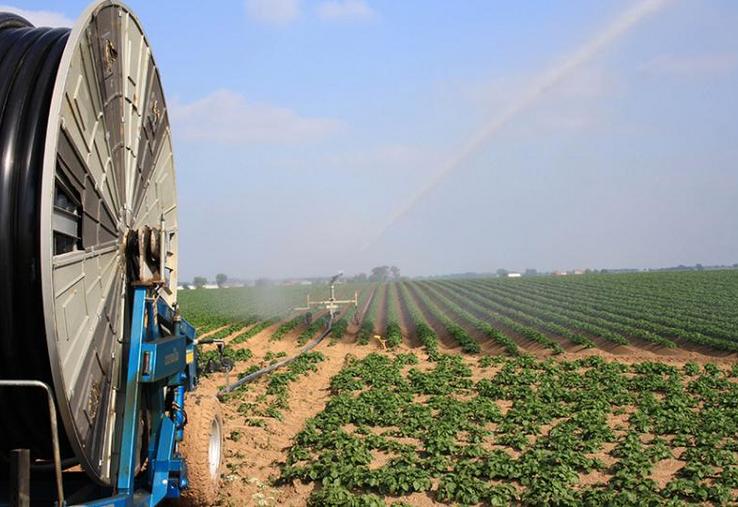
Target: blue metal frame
(162, 366)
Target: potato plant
(392, 331)
(447, 435)
(366, 330)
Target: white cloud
(40, 18)
(227, 117)
(273, 12)
(691, 65)
(344, 10)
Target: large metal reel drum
(103, 169)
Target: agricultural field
(578, 390)
(209, 309)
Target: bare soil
(253, 453)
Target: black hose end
(10, 20)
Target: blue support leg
(129, 438)
(161, 464)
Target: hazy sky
(571, 134)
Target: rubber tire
(203, 487)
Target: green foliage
(205, 308)
(230, 356)
(271, 356)
(445, 434)
(425, 334)
(656, 307)
(393, 332)
(313, 329)
(334, 495)
(253, 331)
(691, 369)
(339, 328)
(366, 330)
(288, 326)
(393, 335)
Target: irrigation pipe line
(284, 362)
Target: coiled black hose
(29, 60)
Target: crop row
(501, 320)
(551, 314)
(497, 336)
(392, 330)
(467, 343)
(424, 332)
(634, 305)
(523, 313)
(643, 328)
(366, 329)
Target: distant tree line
(384, 273)
(201, 281)
(378, 274)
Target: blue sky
(606, 132)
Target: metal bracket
(159, 365)
(54, 429)
(331, 304)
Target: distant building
(514, 275)
(210, 286)
(559, 273)
(578, 272)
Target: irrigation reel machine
(95, 359)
